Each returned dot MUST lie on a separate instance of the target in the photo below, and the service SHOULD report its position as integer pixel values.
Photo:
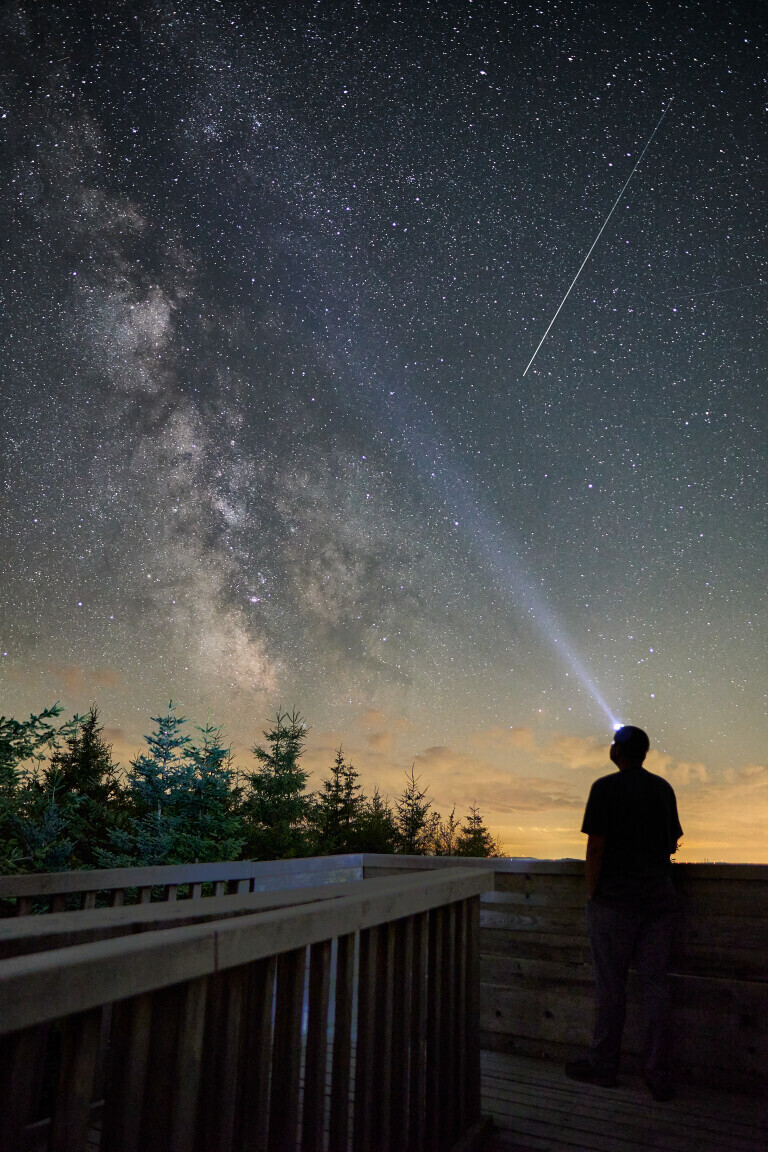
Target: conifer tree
(474, 838)
(275, 805)
(336, 811)
(33, 830)
(82, 778)
(211, 826)
(377, 827)
(158, 786)
(415, 822)
(446, 836)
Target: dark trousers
(620, 936)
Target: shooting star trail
(594, 242)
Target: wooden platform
(535, 1107)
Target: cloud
(680, 773)
(469, 778)
(80, 681)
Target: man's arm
(595, 852)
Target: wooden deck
(535, 1107)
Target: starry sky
(271, 275)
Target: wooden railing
(348, 1019)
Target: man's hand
(595, 853)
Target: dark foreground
(534, 1107)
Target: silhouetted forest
(65, 804)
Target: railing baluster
(25, 905)
(316, 1059)
(473, 1010)
(257, 1057)
(366, 1068)
(447, 1031)
(434, 1068)
(127, 1074)
(220, 888)
(342, 1046)
(74, 1094)
(59, 902)
(118, 898)
(22, 1058)
(401, 1038)
(197, 890)
(418, 1045)
(462, 937)
(168, 1006)
(222, 1060)
(171, 891)
(188, 1059)
(145, 894)
(89, 900)
(385, 1010)
(286, 1052)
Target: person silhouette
(632, 829)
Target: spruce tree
(336, 811)
(416, 824)
(33, 829)
(377, 827)
(474, 838)
(210, 826)
(83, 778)
(158, 783)
(275, 805)
(446, 836)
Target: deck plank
(537, 1109)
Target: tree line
(65, 804)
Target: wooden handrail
(100, 880)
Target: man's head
(630, 747)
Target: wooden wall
(536, 974)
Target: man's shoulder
(658, 782)
(604, 782)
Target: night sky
(271, 275)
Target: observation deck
(361, 1002)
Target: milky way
(270, 280)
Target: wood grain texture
(533, 1105)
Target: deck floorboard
(535, 1108)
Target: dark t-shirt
(636, 811)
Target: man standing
(632, 827)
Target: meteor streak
(594, 242)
